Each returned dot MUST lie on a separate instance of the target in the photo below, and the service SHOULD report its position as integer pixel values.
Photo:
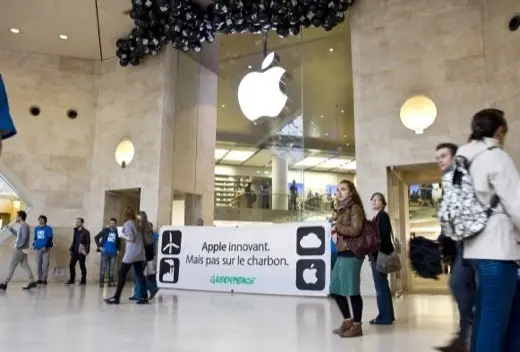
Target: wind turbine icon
(169, 247)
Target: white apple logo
(259, 93)
(309, 275)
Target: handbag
(367, 242)
(389, 263)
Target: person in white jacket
(494, 252)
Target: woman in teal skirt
(345, 281)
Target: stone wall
(65, 166)
(460, 53)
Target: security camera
(34, 110)
(514, 23)
(72, 114)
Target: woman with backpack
(495, 250)
(346, 275)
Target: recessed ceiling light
(15, 30)
(223, 105)
(312, 122)
(249, 66)
(331, 49)
(345, 136)
(342, 111)
(321, 116)
(326, 134)
(63, 36)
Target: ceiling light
(15, 30)
(321, 116)
(312, 122)
(345, 135)
(326, 134)
(219, 153)
(257, 171)
(223, 105)
(266, 172)
(342, 111)
(310, 161)
(249, 66)
(331, 49)
(238, 155)
(63, 36)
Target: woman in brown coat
(345, 281)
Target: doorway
(414, 196)
(116, 200)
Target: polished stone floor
(75, 319)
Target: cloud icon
(310, 240)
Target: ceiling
(298, 159)
(42, 22)
(318, 65)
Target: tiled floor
(60, 319)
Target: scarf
(344, 204)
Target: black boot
(30, 286)
(3, 287)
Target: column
(280, 198)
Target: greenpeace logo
(232, 280)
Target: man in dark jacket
(462, 280)
(79, 249)
(109, 244)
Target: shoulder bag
(389, 263)
(367, 242)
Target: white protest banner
(285, 259)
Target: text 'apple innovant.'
(235, 247)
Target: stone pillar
(167, 107)
(279, 179)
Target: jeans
(462, 285)
(43, 258)
(497, 315)
(107, 262)
(385, 305)
(74, 258)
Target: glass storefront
(290, 163)
(10, 203)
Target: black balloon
(186, 25)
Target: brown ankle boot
(354, 331)
(346, 325)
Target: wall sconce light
(418, 113)
(125, 152)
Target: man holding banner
(7, 128)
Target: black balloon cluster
(186, 25)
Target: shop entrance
(414, 195)
(116, 200)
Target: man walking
(462, 280)
(79, 249)
(42, 245)
(108, 243)
(19, 256)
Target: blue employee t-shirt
(110, 245)
(42, 237)
(7, 128)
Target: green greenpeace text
(232, 280)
